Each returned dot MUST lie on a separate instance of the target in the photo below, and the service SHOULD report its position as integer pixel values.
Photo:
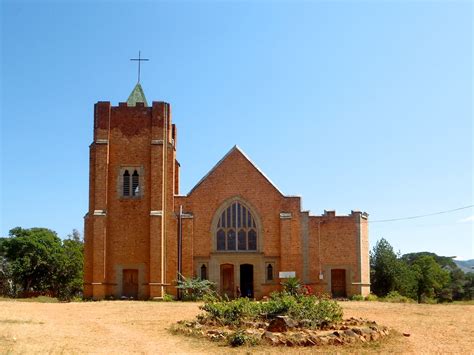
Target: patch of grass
(18, 321)
(371, 298)
(462, 303)
(395, 297)
(39, 299)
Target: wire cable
(422, 215)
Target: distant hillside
(465, 265)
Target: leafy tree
(6, 283)
(432, 279)
(383, 267)
(406, 281)
(34, 255)
(69, 277)
(457, 286)
(469, 286)
(37, 260)
(444, 261)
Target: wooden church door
(338, 282)
(130, 283)
(227, 280)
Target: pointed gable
(238, 150)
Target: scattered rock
(406, 334)
(281, 324)
(270, 338)
(350, 333)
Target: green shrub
(239, 338)
(371, 297)
(194, 289)
(232, 312)
(235, 312)
(292, 286)
(357, 298)
(278, 304)
(395, 297)
(168, 298)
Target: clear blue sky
(352, 105)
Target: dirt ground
(142, 327)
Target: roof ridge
(235, 147)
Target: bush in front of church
(311, 310)
(195, 289)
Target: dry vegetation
(125, 327)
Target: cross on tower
(139, 59)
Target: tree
(383, 268)
(457, 286)
(389, 273)
(39, 261)
(69, 277)
(431, 278)
(34, 256)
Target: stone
(281, 324)
(374, 336)
(350, 333)
(337, 333)
(270, 338)
(406, 334)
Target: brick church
(235, 227)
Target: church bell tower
(130, 227)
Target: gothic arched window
(135, 184)
(203, 272)
(269, 272)
(126, 183)
(236, 229)
(130, 182)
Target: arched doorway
(227, 280)
(246, 280)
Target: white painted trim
(156, 213)
(235, 147)
(96, 283)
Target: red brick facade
(137, 238)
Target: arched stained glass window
(252, 239)
(220, 240)
(230, 239)
(236, 217)
(242, 244)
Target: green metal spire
(137, 95)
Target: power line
(422, 215)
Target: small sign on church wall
(286, 274)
